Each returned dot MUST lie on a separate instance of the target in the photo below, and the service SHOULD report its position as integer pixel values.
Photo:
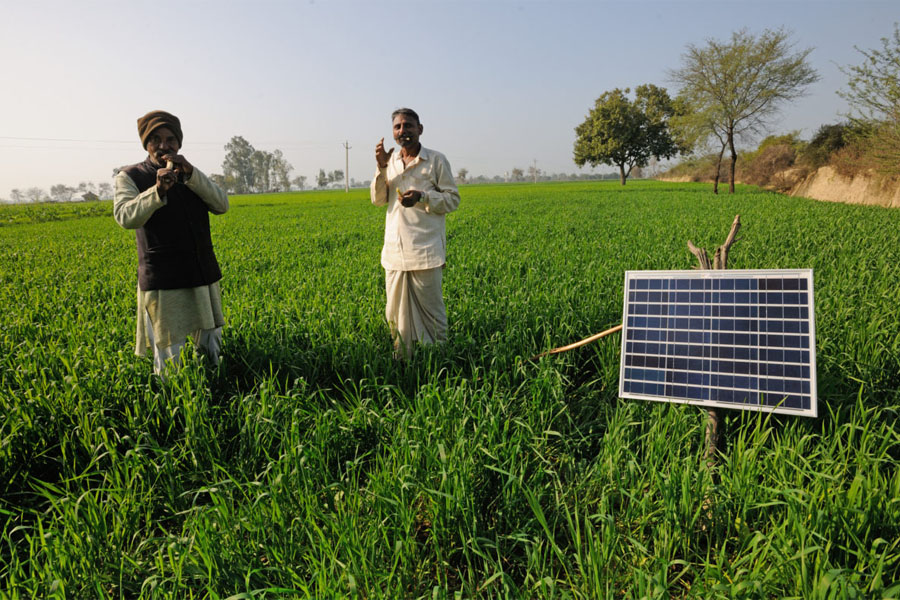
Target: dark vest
(174, 246)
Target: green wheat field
(312, 465)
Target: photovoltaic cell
(740, 339)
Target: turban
(155, 119)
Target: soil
(826, 184)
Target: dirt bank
(826, 184)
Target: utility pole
(347, 166)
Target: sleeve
(378, 190)
(444, 198)
(131, 208)
(214, 196)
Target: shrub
(826, 141)
(769, 167)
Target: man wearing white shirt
(417, 186)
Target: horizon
(498, 85)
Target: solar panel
(740, 339)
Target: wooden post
(720, 261)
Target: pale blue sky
(497, 83)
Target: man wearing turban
(167, 201)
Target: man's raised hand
(381, 155)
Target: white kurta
(415, 246)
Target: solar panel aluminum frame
(758, 320)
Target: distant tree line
(247, 170)
(517, 175)
(84, 192)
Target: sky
(497, 84)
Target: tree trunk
(622, 174)
(720, 261)
(733, 160)
(718, 170)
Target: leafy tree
(462, 174)
(16, 196)
(105, 191)
(61, 193)
(733, 88)
(336, 176)
(262, 176)
(873, 92)
(827, 140)
(220, 181)
(627, 133)
(281, 171)
(517, 174)
(534, 173)
(321, 179)
(238, 165)
(299, 182)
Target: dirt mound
(826, 184)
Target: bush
(827, 140)
(769, 167)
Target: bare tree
(35, 194)
(736, 87)
(61, 193)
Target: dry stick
(583, 342)
(720, 261)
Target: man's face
(161, 142)
(406, 131)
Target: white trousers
(208, 341)
(415, 308)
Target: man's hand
(181, 165)
(382, 156)
(409, 198)
(165, 179)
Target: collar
(423, 155)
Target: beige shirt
(175, 314)
(415, 237)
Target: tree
(105, 191)
(462, 174)
(735, 87)
(321, 179)
(16, 196)
(299, 182)
(238, 165)
(534, 173)
(336, 176)
(262, 176)
(61, 193)
(873, 92)
(281, 171)
(517, 174)
(626, 133)
(35, 194)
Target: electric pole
(347, 166)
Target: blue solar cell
(711, 337)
